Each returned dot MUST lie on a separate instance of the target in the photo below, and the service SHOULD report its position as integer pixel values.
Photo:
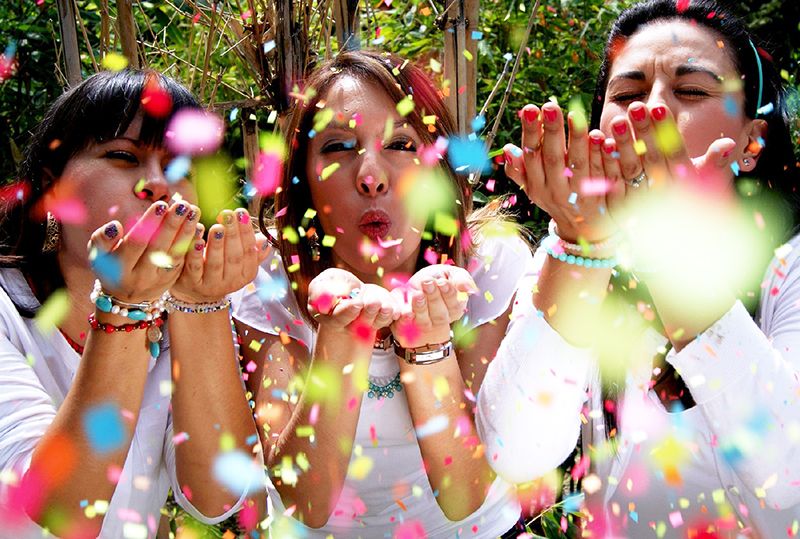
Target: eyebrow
(687, 69)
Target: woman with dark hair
(363, 397)
(91, 389)
(692, 419)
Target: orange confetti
(401, 504)
(424, 11)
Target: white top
(714, 463)
(370, 506)
(36, 371)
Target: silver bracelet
(196, 308)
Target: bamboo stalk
(69, 40)
(209, 45)
(126, 26)
(86, 40)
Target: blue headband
(760, 77)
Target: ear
(48, 179)
(756, 135)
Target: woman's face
(113, 180)
(354, 175)
(687, 68)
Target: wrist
(427, 354)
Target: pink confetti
(194, 132)
(595, 186)
(359, 506)
(373, 436)
(352, 404)
(676, 519)
(313, 416)
(290, 511)
(180, 438)
(490, 185)
(268, 171)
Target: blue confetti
(107, 268)
(573, 198)
(234, 114)
(178, 168)
(478, 123)
(735, 168)
(469, 155)
(477, 36)
(433, 426)
(104, 428)
(311, 133)
(731, 108)
(237, 471)
(378, 40)
(295, 180)
(766, 109)
(269, 45)
(507, 56)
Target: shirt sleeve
(529, 404)
(748, 388)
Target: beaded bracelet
(173, 305)
(153, 327)
(611, 241)
(146, 310)
(580, 261)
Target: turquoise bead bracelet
(147, 310)
(579, 261)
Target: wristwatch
(425, 355)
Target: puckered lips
(374, 224)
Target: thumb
(714, 167)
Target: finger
(247, 235)
(453, 301)
(157, 251)
(646, 146)
(105, 264)
(215, 254)
(630, 163)
(233, 256)
(713, 166)
(184, 240)
(437, 311)
(596, 169)
(264, 247)
(531, 146)
(672, 146)
(578, 148)
(138, 238)
(193, 264)
(554, 149)
(515, 167)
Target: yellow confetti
(161, 259)
(668, 139)
(640, 147)
(360, 468)
(115, 62)
(227, 442)
(436, 67)
(405, 106)
(327, 171)
(53, 311)
(440, 388)
(322, 119)
(468, 55)
(255, 346)
(489, 297)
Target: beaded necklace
(75, 346)
(375, 391)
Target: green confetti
(216, 187)
(305, 431)
(328, 241)
(290, 235)
(405, 106)
(322, 119)
(468, 55)
(139, 187)
(445, 224)
(578, 113)
(54, 311)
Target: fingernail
(219, 234)
(198, 246)
(659, 113)
(444, 287)
(507, 156)
(638, 114)
(198, 232)
(428, 287)
(227, 219)
(243, 217)
(550, 115)
(266, 244)
(111, 231)
(597, 141)
(530, 115)
(161, 209)
(726, 154)
(621, 128)
(421, 300)
(608, 148)
(181, 210)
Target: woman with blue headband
(685, 187)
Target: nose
(156, 187)
(659, 95)
(371, 180)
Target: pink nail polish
(198, 246)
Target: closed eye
(626, 97)
(121, 155)
(402, 144)
(691, 92)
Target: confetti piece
(114, 62)
(155, 100)
(104, 428)
(640, 147)
(360, 467)
(161, 259)
(433, 426)
(238, 472)
(766, 109)
(194, 132)
(405, 106)
(436, 66)
(327, 171)
(180, 438)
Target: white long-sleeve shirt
(36, 372)
(713, 465)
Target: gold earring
(52, 239)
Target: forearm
(571, 297)
(208, 404)
(453, 456)
(310, 458)
(108, 386)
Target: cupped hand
(434, 297)
(565, 181)
(226, 263)
(338, 300)
(140, 265)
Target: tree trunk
(69, 41)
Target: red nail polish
(507, 156)
(549, 115)
(659, 113)
(621, 128)
(639, 114)
(726, 154)
(530, 115)
(609, 149)
(597, 141)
